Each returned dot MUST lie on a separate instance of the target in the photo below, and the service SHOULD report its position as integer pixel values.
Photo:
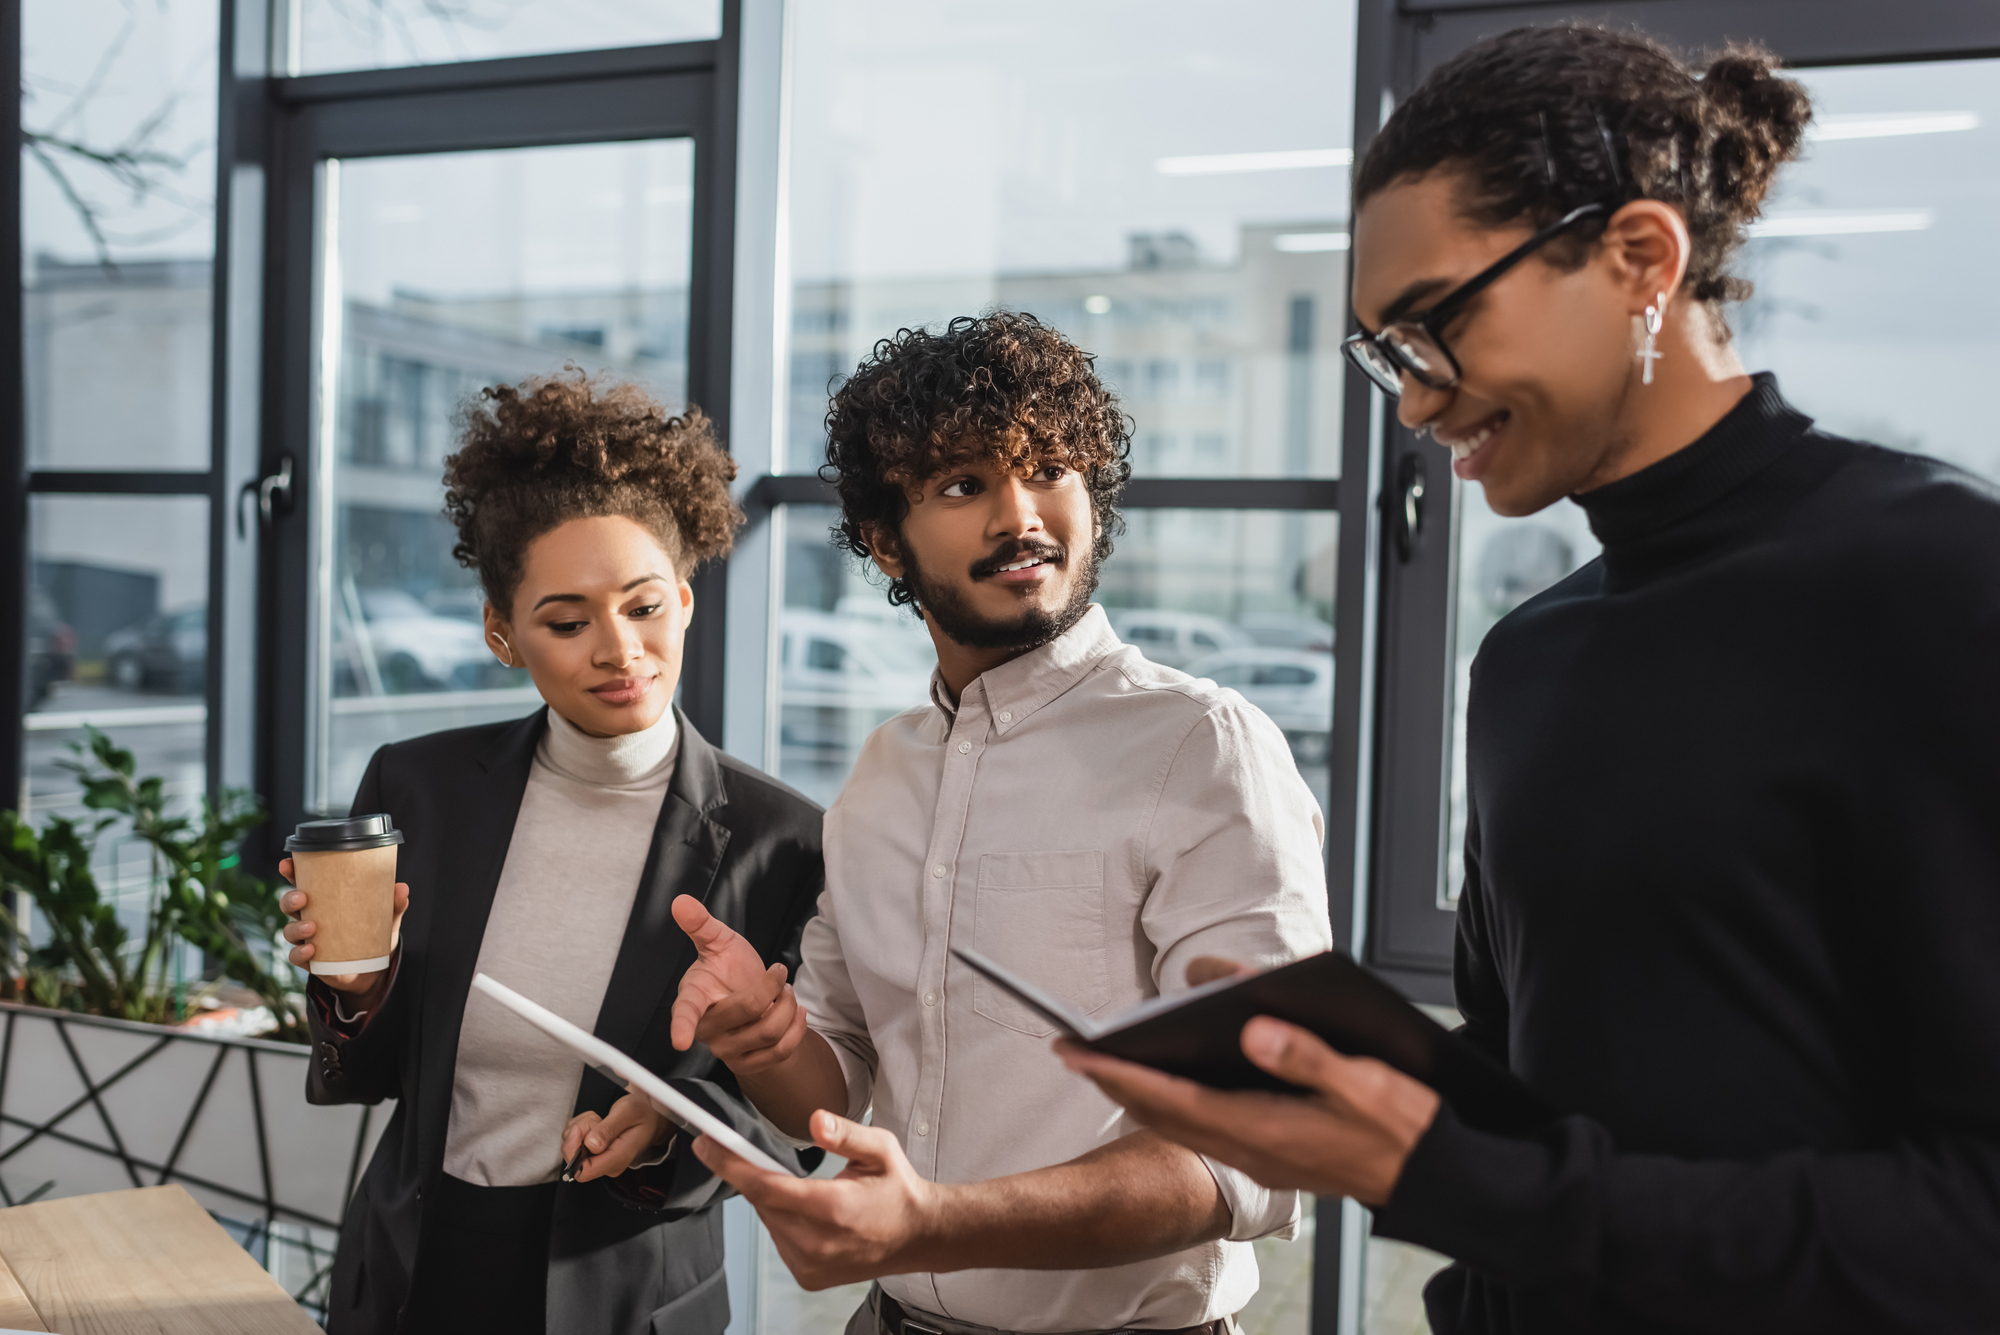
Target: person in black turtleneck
(1732, 888)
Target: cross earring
(1656, 316)
(505, 648)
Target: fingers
(573, 1134)
(285, 869)
(402, 900)
(709, 933)
(760, 1186)
(1297, 1055)
(293, 902)
(870, 1148)
(298, 933)
(626, 1132)
(1208, 968)
(630, 1111)
(745, 1022)
(744, 1006)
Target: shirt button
(938, 871)
(965, 748)
(923, 1128)
(1006, 716)
(930, 998)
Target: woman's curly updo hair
(570, 446)
(1540, 121)
(1002, 387)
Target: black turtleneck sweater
(1732, 900)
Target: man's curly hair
(1002, 387)
(570, 446)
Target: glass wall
(1167, 186)
(457, 271)
(325, 35)
(118, 639)
(117, 231)
(1165, 183)
(1873, 264)
(1862, 265)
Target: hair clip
(1610, 153)
(1548, 153)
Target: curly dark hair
(1002, 387)
(570, 446)
(1543, 120)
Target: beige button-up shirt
(1094, 821)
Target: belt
(896, 1319)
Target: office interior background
(268, 246)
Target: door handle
(273, 493)
(1407, 504)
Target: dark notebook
(1197, 1034)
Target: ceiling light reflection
(1291, 159)
(1305, 243)
(1890, 124)
(1843, 222)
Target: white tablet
(596, 1052)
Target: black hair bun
(1755, 120)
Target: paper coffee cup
(348, 870)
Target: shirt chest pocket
(1041, 915)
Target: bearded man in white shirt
(1091, 819)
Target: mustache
(1017, 549)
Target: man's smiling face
(1545, 352)
(998, 560)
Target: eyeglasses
(1416, 347)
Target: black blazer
(632, 1255)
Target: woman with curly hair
(515, 1191)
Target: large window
(117, 191)
(1179, 209)
(1167, 186)
(447, 273)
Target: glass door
(443, 274)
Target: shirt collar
(1020, 686)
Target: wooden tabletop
(143, 1262)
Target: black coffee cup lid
(346, 835)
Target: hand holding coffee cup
(348, 908)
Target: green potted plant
(199, 894)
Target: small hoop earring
(1656, 318)
(505, 648)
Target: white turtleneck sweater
(559, 915)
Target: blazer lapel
(686, 854)
(452, 930)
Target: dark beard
(942, 603)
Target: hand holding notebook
(1197, 1034)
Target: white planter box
(88, 1104)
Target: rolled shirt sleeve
(1233, 813)
(833, 1009)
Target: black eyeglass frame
(1433, 321)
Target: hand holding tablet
(623, 1070)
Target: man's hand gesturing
(745, 1013)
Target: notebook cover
(1353, 1010)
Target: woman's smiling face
(599, 621)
